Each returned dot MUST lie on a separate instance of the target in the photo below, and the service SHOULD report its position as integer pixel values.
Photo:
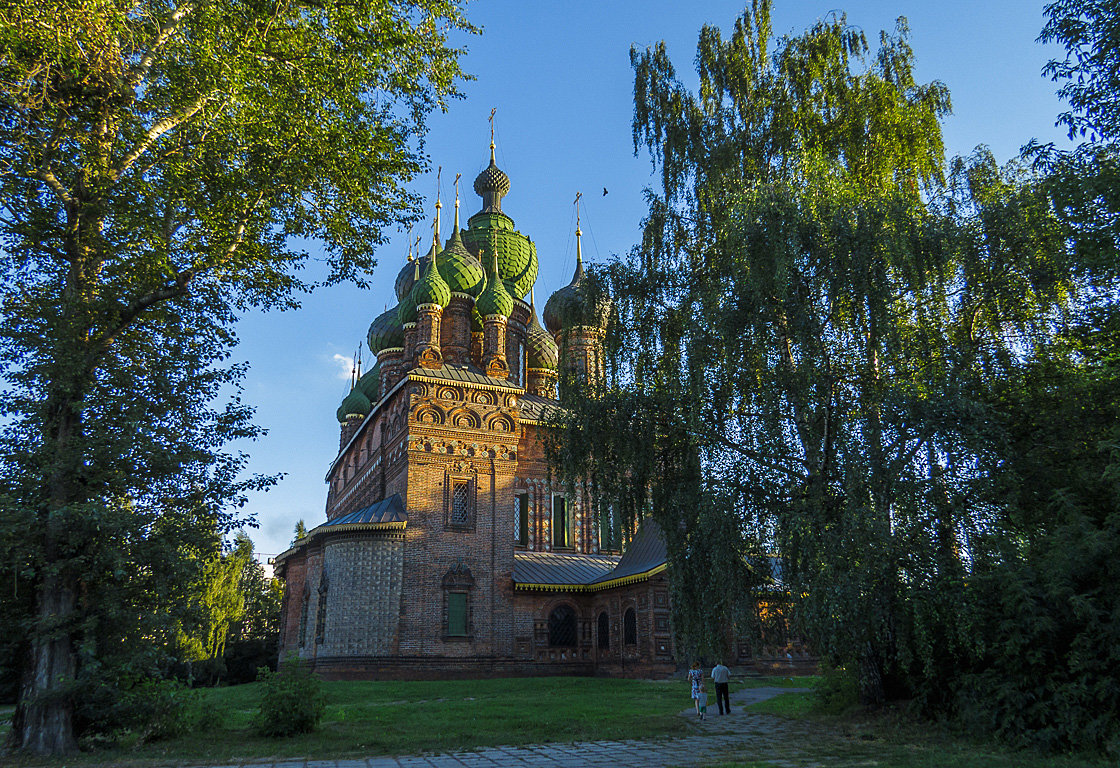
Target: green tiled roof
(517, 254)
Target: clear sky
(559, 75)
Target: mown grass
(378, 718)
(891, 739)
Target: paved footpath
(738, 735)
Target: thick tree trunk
(44, 720)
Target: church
(447, 550)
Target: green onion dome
(385, 332)
(407, 277)
(540, 348)
(370, 383)
(566, 307)
(462, 271)
(406, 310)
(476, 321)
(432, 288)
(494, 300)
(354, 404)
(517, 254)
(492, 185)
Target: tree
(802, 329)
(300, 531)
(156, 160)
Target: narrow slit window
(561, 536)
(521, 519)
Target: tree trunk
(871, 691)
(44, 719)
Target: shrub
(836, 691)
(147, 710)
(292, 700)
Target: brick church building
(446, 550)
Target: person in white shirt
(721, 676)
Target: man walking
(721, 676)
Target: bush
(292, 700)
(145, 711)
(837, 690)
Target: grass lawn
(892, 740)
(377, 718)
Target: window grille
(460, 504)
(631, 626)
(562, 627)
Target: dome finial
(492, 111)
(457, 177)
(579, 234)
(410, 244)
(492, 184)
(435, 234)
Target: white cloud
(345, 366)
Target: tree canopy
(825, 346)
(159, 164)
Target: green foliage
(292, 700)
(151, 710)
(836, 691)
(160, 165)
(900, 373)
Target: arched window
(630, 627)
(604, 631)
(562, 626)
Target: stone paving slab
(736, 735)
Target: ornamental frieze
(420, 444)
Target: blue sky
(559, 75)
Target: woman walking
(696, 678)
